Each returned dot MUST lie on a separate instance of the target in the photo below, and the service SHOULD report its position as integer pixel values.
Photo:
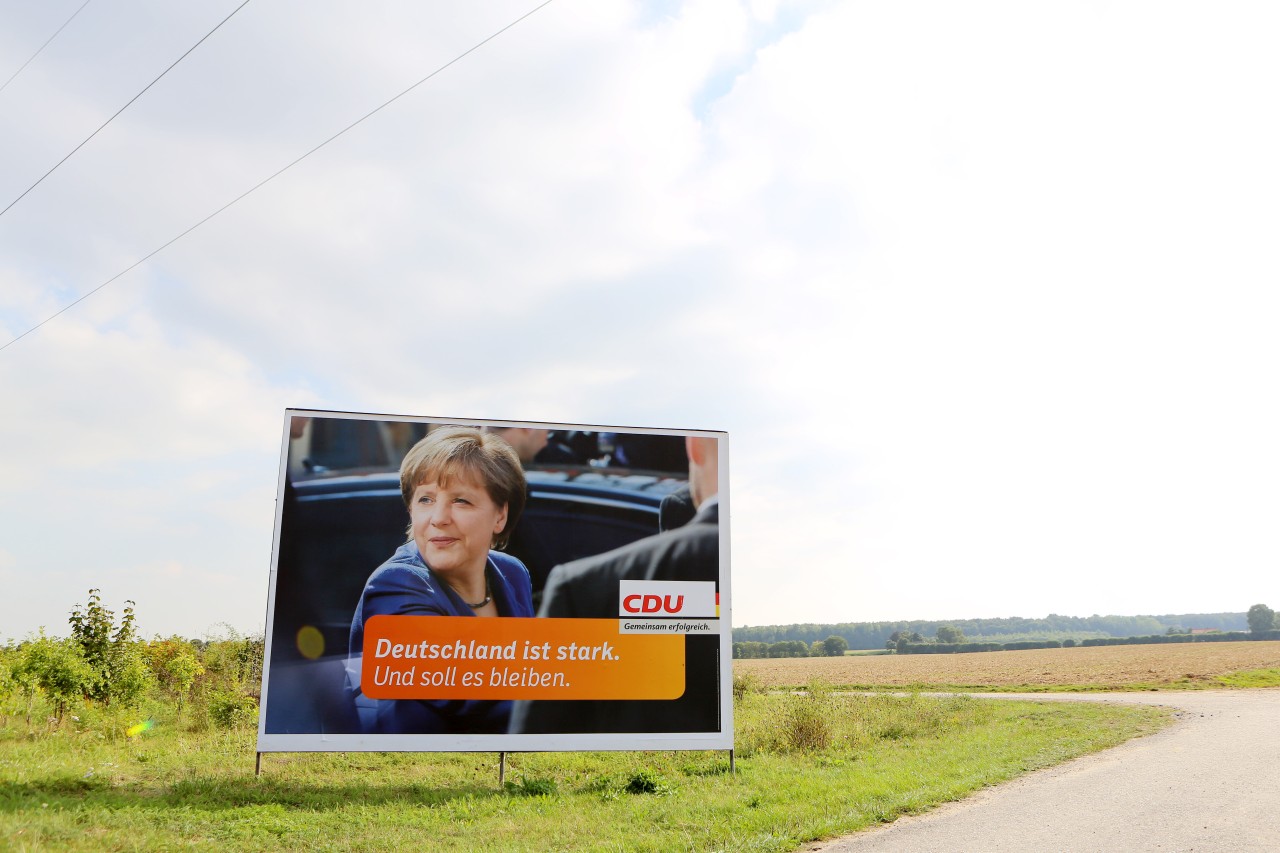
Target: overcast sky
(985, 294)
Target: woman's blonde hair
(452, 451)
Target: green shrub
(809, 722)
(120, 672)
(234, 662)
(229, 710)
(647, 782)
(175, 666)
(746, 683)
(56, 668)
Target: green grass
(1251, 678)
(809, 767)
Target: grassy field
(810, 766)
(1172, 666)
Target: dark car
(342, 516)
(338, 527)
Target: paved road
(1209, 782)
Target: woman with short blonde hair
(464, 490)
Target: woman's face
(453, 527)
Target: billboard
(445, 584)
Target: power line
(278, 172)
(46, 44)
(125, 107)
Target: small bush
(647, 782)
(746, 683)
(809, 722)
(230, 710)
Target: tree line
(874, 635)
(1264, 624)
(830, 647)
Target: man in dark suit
(676, 509)
(588, 588)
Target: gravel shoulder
(1209, 782)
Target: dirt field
(1101, 666)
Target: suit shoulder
(664, 554)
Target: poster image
(445, 584)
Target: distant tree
(835, 646)
(1261, 618)
(1177, 630)
(788, 649)
(950, 634)
(905, 638)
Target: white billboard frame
(290, 688)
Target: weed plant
(820, 720)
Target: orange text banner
(461, 657)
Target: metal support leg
(733, 767)
(502, 769)
(257, 765)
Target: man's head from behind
(704, 467)
(524, 441)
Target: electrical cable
(277, 173)
(46, 44)
(125, 107)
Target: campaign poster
(447, 584)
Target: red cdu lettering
(652, 603)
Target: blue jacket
(405, 586)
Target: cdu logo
(667, 599)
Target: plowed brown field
(1182, 664)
